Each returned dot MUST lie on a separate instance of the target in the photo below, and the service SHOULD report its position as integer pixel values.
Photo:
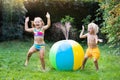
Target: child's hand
(82, 28)
(48, 15)
(27, 19)
(100, 40)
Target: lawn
(13, 54)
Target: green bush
(67, 19)
(13, 15)
(111, 24)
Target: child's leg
(30, 52)
(42, 51)
(86, 57)
(96, 55)
(96, 64)
(84, 62)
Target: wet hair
(32, 22)
(94, 26)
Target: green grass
(13, 54)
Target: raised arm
(48, 21)
(81, 34)
(26, 25)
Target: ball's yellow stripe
(78, 54)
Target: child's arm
(98, 40)
(26, 25)
(81, 34)
(48, 21)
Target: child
(92, 40)
(38, 28)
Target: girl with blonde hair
(38, 28)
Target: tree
(111, 24)
(13, 14)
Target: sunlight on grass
(13, 54)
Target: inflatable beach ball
(66, 55)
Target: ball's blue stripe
(64, 56)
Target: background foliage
(13, 13)
(111, 23)
(105, 13)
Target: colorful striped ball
(66, 55)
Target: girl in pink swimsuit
(39, 45)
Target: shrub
(111, 24)
(13, 14)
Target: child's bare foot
(97, 70)
(26, 63)
(43, 70)
(82, 68)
